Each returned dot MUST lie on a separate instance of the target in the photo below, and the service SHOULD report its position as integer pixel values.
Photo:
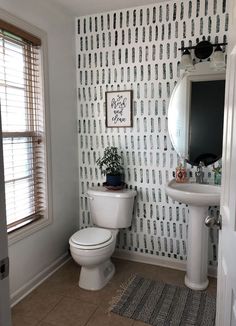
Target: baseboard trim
(23, 291)
(158, 261)
(212, 271)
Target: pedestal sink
(198, 197)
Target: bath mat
(161, 304)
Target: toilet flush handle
(89, 197)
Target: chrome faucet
(200, 174)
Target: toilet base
(96, 277)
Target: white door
(5, 319)
(226, 286)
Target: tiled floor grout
(63, 287)
(91, 316)
(51, 310)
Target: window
(23, 132)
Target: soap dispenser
(181, 173)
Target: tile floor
(60, 302)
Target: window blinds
(22, 126)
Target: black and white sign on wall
(119, 109)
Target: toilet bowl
(94, 255)
(93, 247)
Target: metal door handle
(211, 221)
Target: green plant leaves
(110, 162)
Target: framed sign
(119, 109)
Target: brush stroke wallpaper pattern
(137, 49)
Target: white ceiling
(87, 7)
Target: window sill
(28, 230)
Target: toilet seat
(91, 238)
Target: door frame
(227, 247)
(5, 316)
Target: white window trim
(33, 227)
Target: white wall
(32, 255)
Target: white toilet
(92, 247)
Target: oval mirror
(195, 115)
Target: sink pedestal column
(197, 249)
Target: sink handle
(201, 164)
(89, 197)
(211, 221)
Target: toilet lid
(91, 236)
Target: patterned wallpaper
(137, 49)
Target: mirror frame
(202, 72)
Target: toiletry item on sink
(217, 174)
(181, 174)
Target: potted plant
(110, 165)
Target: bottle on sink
(181, 174)
(217, 173)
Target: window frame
(30, 228)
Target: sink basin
(198, 197)
(194, 194)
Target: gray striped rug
(162, 304)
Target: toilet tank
(111, 208)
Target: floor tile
(149, 271)
(68, 272)
(100, 298)
(62, 281)
(60, 302)
(169, 275)
(159, 273)
(212, 288)
(36, 305)
(70, 312)
(124, 270)
(19, 319)
(102, 317)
